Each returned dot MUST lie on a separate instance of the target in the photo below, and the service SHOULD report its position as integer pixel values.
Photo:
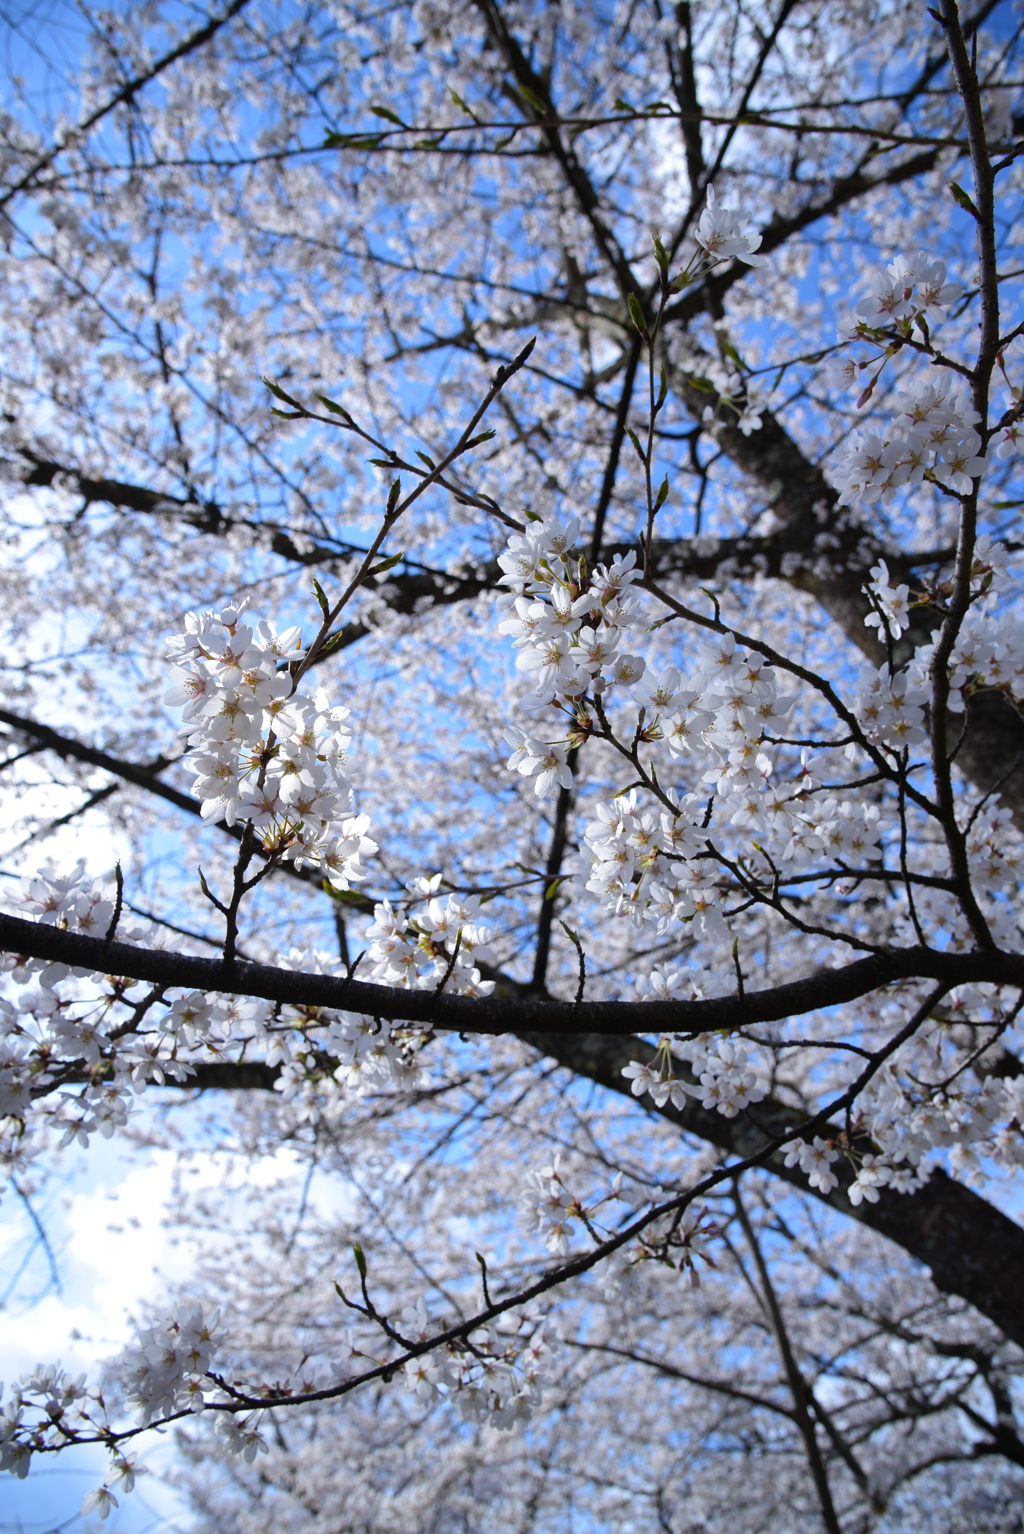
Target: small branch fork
(397, 506)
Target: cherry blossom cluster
(496, 1376)
(922, 1106)
(910, 286)
(675, 1240)
(930, 1105)
(552, 1209)
(744, 397)
(1010, 439)
(546, 762)
(637, 864)
(56, 1018)
(166, 1371)
(988, 651)
(816, 1161)
(365, 1054)
(723, 234)
(75, 902)
(43, 1404)
(729, 1074)
(371, 1054)
(660, 866)
(241, 1435)
(891, 615)
(726, 232)
(262, 752)
(932, 435)
(722, 714)
(440, 944)
(122, 1474)
(996, 859)
(569, 623)
(890, 708)
(48, 1408)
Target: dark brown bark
(506, 1014)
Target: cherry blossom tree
(521, 500)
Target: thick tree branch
(500, 1015)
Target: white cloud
(113, 1253)
(108, 1220)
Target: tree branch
(126, 94)
(502, 1015)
